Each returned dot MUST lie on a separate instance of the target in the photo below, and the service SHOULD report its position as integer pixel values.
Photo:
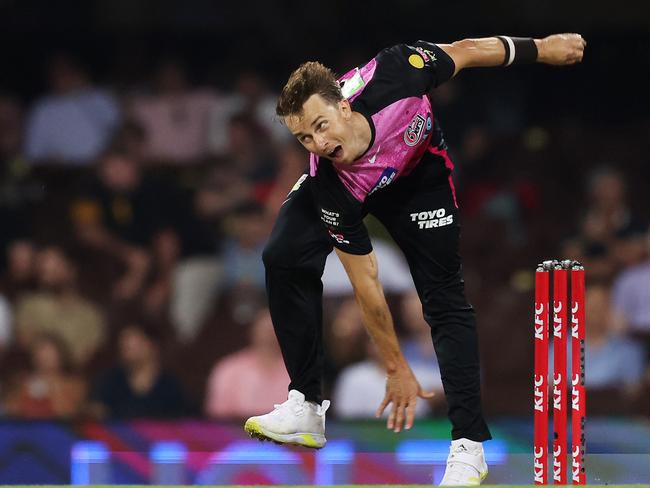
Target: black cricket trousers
(419, 212)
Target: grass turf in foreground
(299, 486)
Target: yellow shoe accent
(478, 481)
(252, 427)
(255, 430)
(308, 441)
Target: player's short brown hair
(311, 78)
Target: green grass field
(295, 486)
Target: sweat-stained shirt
(392, 93)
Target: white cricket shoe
(293, 422)
(465, 464)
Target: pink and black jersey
(392, 92)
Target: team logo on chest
(413, 133)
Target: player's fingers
(575, 58)
(382, 406)
(399, 422)
(391, 417)
(410, 414)
(426, 394)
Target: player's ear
(345, 109)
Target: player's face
(323, 128)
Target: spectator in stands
(608, 238)
(198, 278)
(17, 191)
(256, 373)
(594, 256)
(613, 362)
(256, 98)
(250, 151)
(57, 308)
(6, 334)
(393, 274)
(252, 97)
(131, 218)
(416, 344)
(20, 276)
(75, 122)
(139, 386)
(293, 160)
(11, 132)
(175, 117)
(629, 246)
(242, 283)
(222, 190)
(345, 338)
(631, 297)
(247, 229)
(6, 324)
(131, 138)
(608, 211)
(51, 387)
(611, 359)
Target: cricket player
(377, 147)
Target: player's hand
(402, 390)
(561, 49)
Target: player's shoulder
(405, 51)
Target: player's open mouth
(336, 152)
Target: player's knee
(448, 304)
(281, 254)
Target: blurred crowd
(133, 221)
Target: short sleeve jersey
(392, 93)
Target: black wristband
(519, 50)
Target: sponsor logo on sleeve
(298, 183)
(353, 84)
(387, 176)
(333, 221)
(338, 237)
(416, 61)
(429, 125)
(329, 217)
(414, 131)
(295, 187)
(426, 54)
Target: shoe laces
(460, 471)
(296, 404)
(293, 404)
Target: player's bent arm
(556, 49)
(363, 273)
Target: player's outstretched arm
(402, 388)
(556, 49)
